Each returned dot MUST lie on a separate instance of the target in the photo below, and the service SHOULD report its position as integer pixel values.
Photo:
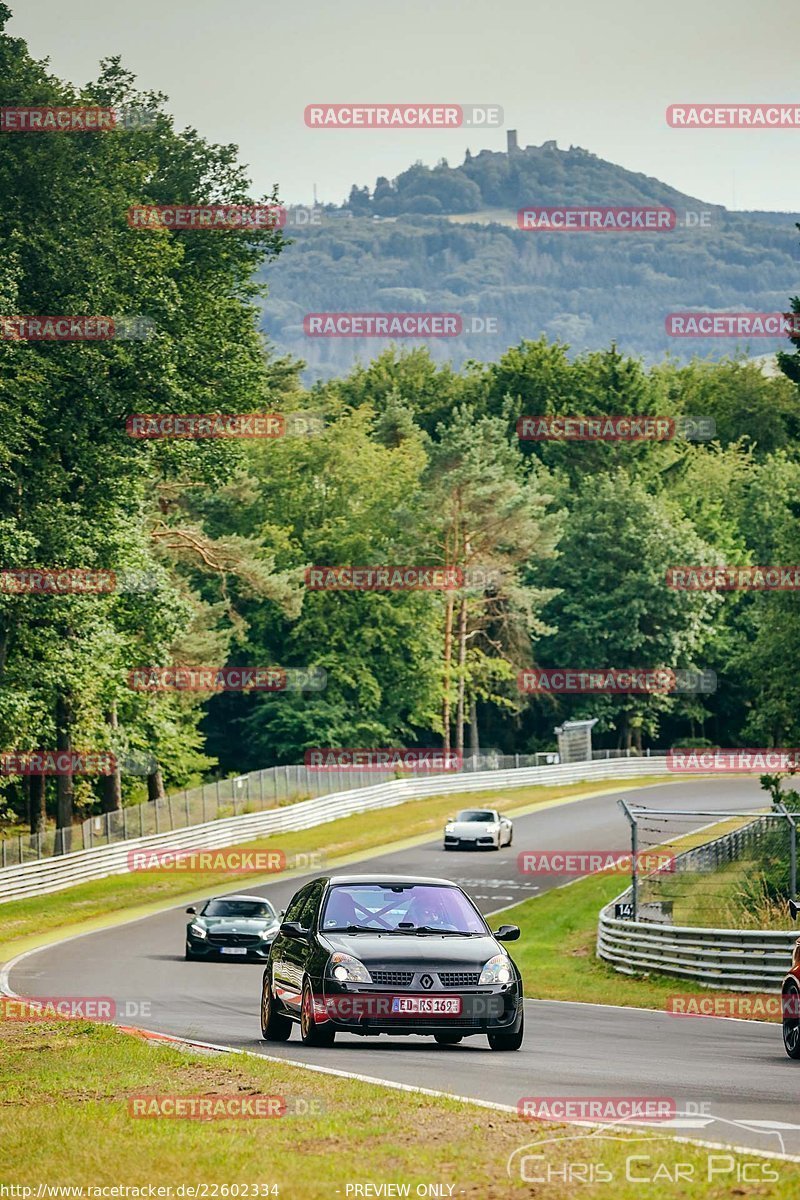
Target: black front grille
(455, 979)
(392, 978)
(234, 939)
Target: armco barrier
(737, 960)
(53, 874)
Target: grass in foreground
(64, 1121)
(336, 839)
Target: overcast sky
(585, 73)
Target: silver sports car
(478, 828)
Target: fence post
(108, 828)
(124, 824)
(19, 847)
(186, 808)
(4, 851)
(781, 807)
(261, 788)
(203, 793)
(634, 863)
(141, 820)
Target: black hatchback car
(398, 955)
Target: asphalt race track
(734, 1075)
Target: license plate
(446, 1006)
(233, 950)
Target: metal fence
(740, 960)
(272, 787)
(59, 871)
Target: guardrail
(61, 871)
(738, 960)
(252, 792)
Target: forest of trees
(418, 462)
(395, 249)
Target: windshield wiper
(355, 929)
(433, 929)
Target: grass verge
(64, 1121)
(141, 892)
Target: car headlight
(449, 828)
(198, 930)
(268, 933)
(497, 970)
(347, 969)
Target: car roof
(390, 879)
(239, 896)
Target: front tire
(512, 1040)
(790, 1005)
(311, 1033)
(275, 1027)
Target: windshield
(474, 814)
(238, 908)
(399, 908)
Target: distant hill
(445, 239)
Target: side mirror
(293, 929)
(282, 912)
(507, 933)
(192, 910)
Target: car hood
(415, 951)
(237, 924)
(470, 828)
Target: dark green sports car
(238, 927)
